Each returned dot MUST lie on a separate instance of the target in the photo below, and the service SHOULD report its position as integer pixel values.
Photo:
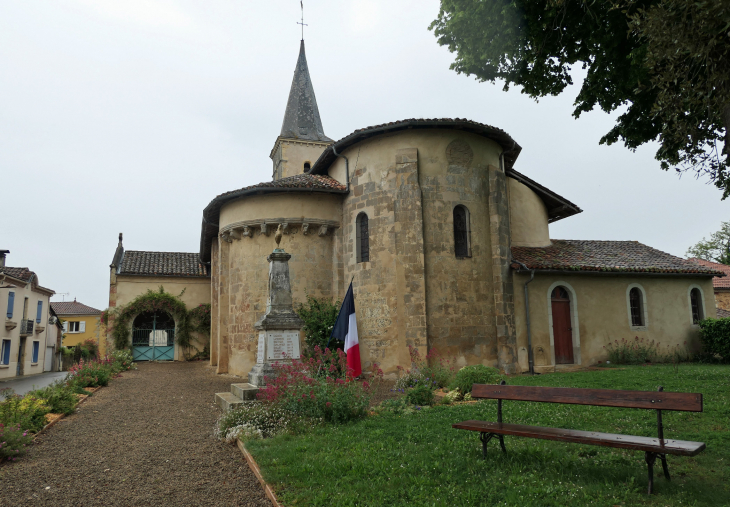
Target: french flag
(345, 330)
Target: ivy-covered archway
(157, 302)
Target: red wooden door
(562, 329)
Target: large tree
(716, 249)
(667, 61)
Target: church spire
(301, 120)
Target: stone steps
(240, 393)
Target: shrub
(636, 351)
(314, 390)
(319, 316)
(89, 374)
(59, 397)
(13, 440)
(715, 338)
(420, 395)
(476, 374)
(394, 406)
(255, 420)
(434, 370)
(121, 360)
(29, 412)
(409, 379)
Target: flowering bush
(13, 440)
(316, 388)
(90, 373)
(121, 360)
(27, 411)
(255, 420)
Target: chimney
(3, 253)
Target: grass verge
(418, 459)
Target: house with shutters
(447, 246)
(80, 323)
(23, 338)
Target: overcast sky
(130, 116)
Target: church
(447, 246)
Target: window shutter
(35, 351)
(82, 326)
(11, 302)
(65, 327)
(40, 312)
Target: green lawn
(418, 459)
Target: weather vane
(302, 22)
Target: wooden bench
(653, 447)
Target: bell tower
(302, 138)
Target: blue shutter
(6, 351)
(35, 351)
(11, 301)
(40, 312)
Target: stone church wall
(414, 290)
(242, 269)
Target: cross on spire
(301, 2)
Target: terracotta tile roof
(73, 308)
(717, 282)
(162, 264)
(607, 256)
(303, 181)
(722, 314)
(19, 273)
(298, 183)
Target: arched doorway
(153, 337)
(562, 326)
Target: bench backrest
(657, 400)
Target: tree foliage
(665, 60)
(716, 249)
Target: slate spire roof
(301, 119)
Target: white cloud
(150, 13)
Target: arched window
(462, 239)
(362, 242)
(306, 166)
(695, 299)
(636, 307)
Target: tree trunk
(726, 121)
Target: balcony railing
(26, 327)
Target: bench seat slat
(657, 400)
(677, 447)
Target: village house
(442, 238)
(80, 323)
(23, 338)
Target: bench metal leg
(650, 459)
(663, 457)
(485, 438)
(501, 443)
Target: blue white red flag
(345, 330)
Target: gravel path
(146, 439)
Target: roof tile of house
(19, 273)
(73, 308)
(607, 256)
(717, 282)
(299, 181)
(162, 264)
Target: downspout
(530, 357)
(347, 166)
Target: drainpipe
(347, 166)
(530, 358)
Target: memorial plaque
(283, 345)
(260, 355)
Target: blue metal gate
(150, 343)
